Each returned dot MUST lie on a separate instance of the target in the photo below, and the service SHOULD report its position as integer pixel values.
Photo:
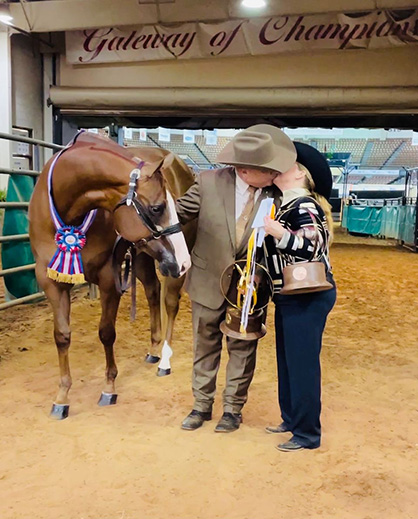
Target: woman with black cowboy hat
(302, 226)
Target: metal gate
(10, 205)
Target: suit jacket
(211, 199)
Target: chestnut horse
(163, 301)
(96, 174)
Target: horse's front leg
(58, 295)
(146, 273)
(109, 300)
(171, 297)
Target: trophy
(247, 286)
(247, 293)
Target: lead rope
(133, 283)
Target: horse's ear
(177, 174)
(149, 168)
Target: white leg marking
(166, 353)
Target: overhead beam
(325, 100)
(67, 15)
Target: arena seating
(399, 180)
(407, 157)
(381, 152)
(211, 152)
(136, 142)
(354, 178)
(380, 179)
(353, 146)
(365, 154)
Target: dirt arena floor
(132, 460)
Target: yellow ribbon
(62, 277)
(245, 276)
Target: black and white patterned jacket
(298, 242)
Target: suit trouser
(207, 339)
(300, 322)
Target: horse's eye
(157, 209)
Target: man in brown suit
(225, 202)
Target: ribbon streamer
(250, 297)
(66, 265)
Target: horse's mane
(104, 144)
(176, 173)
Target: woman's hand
(273, 228)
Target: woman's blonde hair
(322, 201)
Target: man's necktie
(242, 221)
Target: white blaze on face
(177, 240)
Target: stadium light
(253, 4)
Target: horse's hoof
(151, 359)
(107, 399)
(59, 411)
(163, 372)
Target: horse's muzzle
(169, 268)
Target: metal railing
(36, 143)
(376, 202)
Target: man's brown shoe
(229, 422)
(195, 420)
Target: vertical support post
(92, 291)
(36, 158)
(114, 132)
(48, 80)
(57, 127)
(345, 192)
(69, 131)
(416, 220)
(5, 104)
(405, 194)
(120, 136)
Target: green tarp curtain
(389, 227)
(16, 254)
(396, 222)
(363, 219)
(407, 224)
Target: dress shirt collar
(240, 185)
(291, 194)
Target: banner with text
(257, 36)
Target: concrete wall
(27, 87)
(5, 105)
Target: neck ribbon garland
(66, 265)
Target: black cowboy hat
(308, 156)
(318, 167)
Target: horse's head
(147, 217)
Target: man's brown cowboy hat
(308, 156)
(257, 149)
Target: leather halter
(132, 199)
